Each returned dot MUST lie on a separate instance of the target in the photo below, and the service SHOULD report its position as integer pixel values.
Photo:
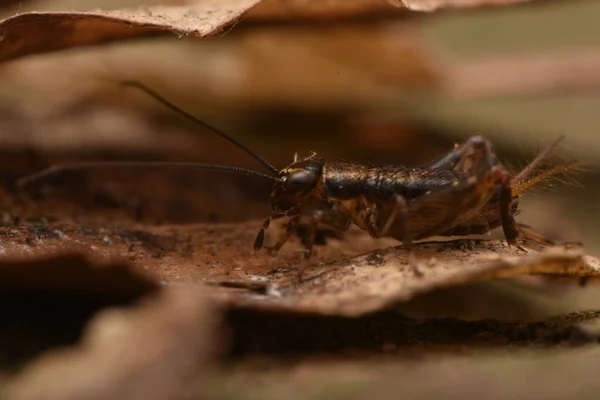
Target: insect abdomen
(344, 181)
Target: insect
(468, 191)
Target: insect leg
(260, 238)
(323, 214)
(450, 160)
(509, 225)
(471, 161)
(399, 212)
(310, 244)
(460, 204)
(292, 226)
(460, 157)
(477, 161)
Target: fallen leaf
(422, 373)
(279, 334)
(524, 74)
(45, 301)
(74, 275)
(433, 5)
(351, 276)
(376, 281)
(146, 352)
(343, 66)
(39, 32)
(316, 9)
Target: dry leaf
(376, 281)
(31, 33)
(559, 71)
(46, 301)
(342, 66)
(423, 373)
(73, 275)
(344, 279)
(141, 352)
(146, 352)
(295, 9)
(432, 5)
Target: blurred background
(400, 88)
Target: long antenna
(189, 116)
(147, 164)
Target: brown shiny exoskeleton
(467, 191)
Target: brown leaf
(342, 65)
(45, 301)
(375, 281)
(145, 352)
(294, 9)
(31, 33)
(432, 5)
(74, 275)
(425, 373)
(347, 278)
(553, 72)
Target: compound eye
(300, 181)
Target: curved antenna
(147, 164)
(189, 116)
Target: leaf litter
(122, 335)
(148, 348)
(352, 276)
(60, 30)
(433, 5)
(191, 18)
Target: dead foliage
(523, 74)
(189, 18)
(346, 280)
(136, 313)
(123, 336)
(492, 375)
(317, 9)
(392, 334)
(61, 30)
(433, 5)
(376, 281)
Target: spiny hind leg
(481, 159)
(478, 158)
(464, 157)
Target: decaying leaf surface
(345, 280)
(432, 5)
(76, 329)
(523, 74)
(45, 302)
(39, 32)
(72, 274)
(31, 33)
(426, 375)
(375, 281)
(148, 351)
(285, 9)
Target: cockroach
(467, 191)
